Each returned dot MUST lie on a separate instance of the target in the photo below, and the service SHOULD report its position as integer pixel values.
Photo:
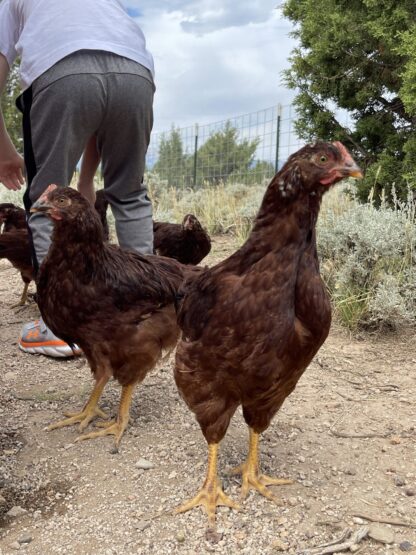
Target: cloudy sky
(214, 58)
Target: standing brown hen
(187, 242)
(117, 305)
(15, 244)
(252, 324)
(12, 217)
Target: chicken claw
(109, 428)
(249, 471)
(211, 495)
(115, 427)
(88, 413)
(84, 418)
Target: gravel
(79, 498)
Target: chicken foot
(88, 413)
(249, 471)
(211, 495)
(115, 427)
(23, 298)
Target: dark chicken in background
(15, 242)
(117, 305)
(187, 242)
(15, 247)
(11, 217)
(101, 205)
(252, 323)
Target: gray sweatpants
(117, 108)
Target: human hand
(12, 167)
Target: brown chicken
(15, 244)
(187, 242)
(15, 247)
(252, 323)
(117, 305)
(12, 217)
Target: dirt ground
(346, 436)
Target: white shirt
(42, 32)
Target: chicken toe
(111, 428)
(88, 413)
(83, 418)
(114, 427)
(211, 495)
(252, 479)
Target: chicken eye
(61, 201)
(323, 159)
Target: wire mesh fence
(245, 149)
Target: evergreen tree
(171, 164)
(224, 155)
(358, 55)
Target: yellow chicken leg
(249, 471)
(88, 413)
(23, 298)
(211, 494)
(115, 427)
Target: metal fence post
(279, 118)
(195, 153)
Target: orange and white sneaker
(37, 339)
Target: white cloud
(215, 59)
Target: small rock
(172, 475)
(212, 536)
(2, 500)
(278, 545)
(395, 440)
(142, 525)
(399, 481)
(15, 546)
(292, 501)
(16, 511)
(381, 534)
(180, 537)
(144, 464)
(25, 538)
(114, 451)
(357, 520)
(406, 546)
(410, 492)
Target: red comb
(45, 193)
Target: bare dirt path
(346, 436)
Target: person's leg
(63, 116)
(58, 121)
(123, 139)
